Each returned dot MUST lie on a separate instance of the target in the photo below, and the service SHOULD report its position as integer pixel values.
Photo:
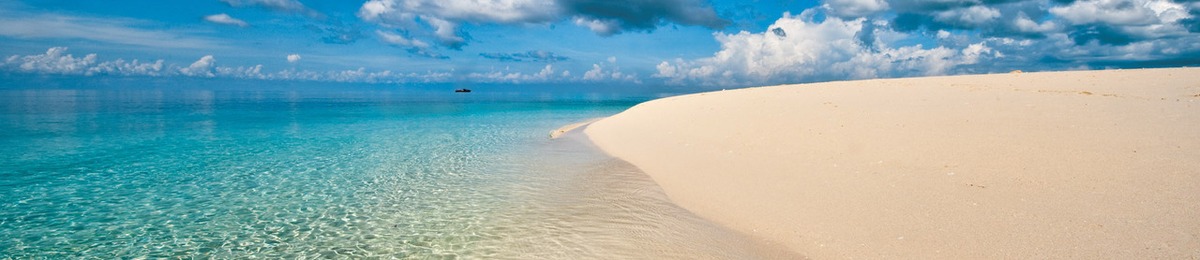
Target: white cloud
(445, 16)
(855, 8)
(497, 76)
(400, 40)
(601, 27)
(413, 46)
(1121, 12)
(441, 20)
(56, 60)
(1169, 11)
(500, 11)
(225, 19)
(1026, 25)
(546, 72)
(505, 75)
(596, 73)
(610, 73)
(974, 15)
(829, 50)
(202, 67)
(943, 34)
(1130, 20)
(282, 5)
(131, 68)
(252, 72)
(974, 52)
(293, 58)
(108, 30)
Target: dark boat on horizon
(462, 90)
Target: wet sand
(571, 127)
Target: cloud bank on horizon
(658, 42)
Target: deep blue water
(110, 168)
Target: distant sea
(95, 167)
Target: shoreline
(617, 208)
(1090, 164)
(556, 133)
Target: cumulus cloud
(848, 39)
(293, 58)
(57, 60)
(127, 68)
(1124, 22)
(974, 15)
(609, 71)
(251, 72)
(531, 56)
(225, 19)
(1121, 12)
(1054, 34)
(855, 8)
(202, 67)
(596, 73)
(546, 74)
(830, 49)
(1115, 21)
(441, 20)
(1024, 24)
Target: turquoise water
(233, 169)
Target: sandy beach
(556, 133)
(1088, 164)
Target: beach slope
(1089, 164)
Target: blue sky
(652, 42)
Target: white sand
(1095, 164)
(571, 127)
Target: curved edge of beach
(1086, 164)
(613, 190)
(556, 133)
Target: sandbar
(1081, 164)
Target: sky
(636, 42)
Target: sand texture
(1091, 164)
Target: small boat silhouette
(462, 90)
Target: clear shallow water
(210, 169)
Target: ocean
(218, 168)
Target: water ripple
(123, 174)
